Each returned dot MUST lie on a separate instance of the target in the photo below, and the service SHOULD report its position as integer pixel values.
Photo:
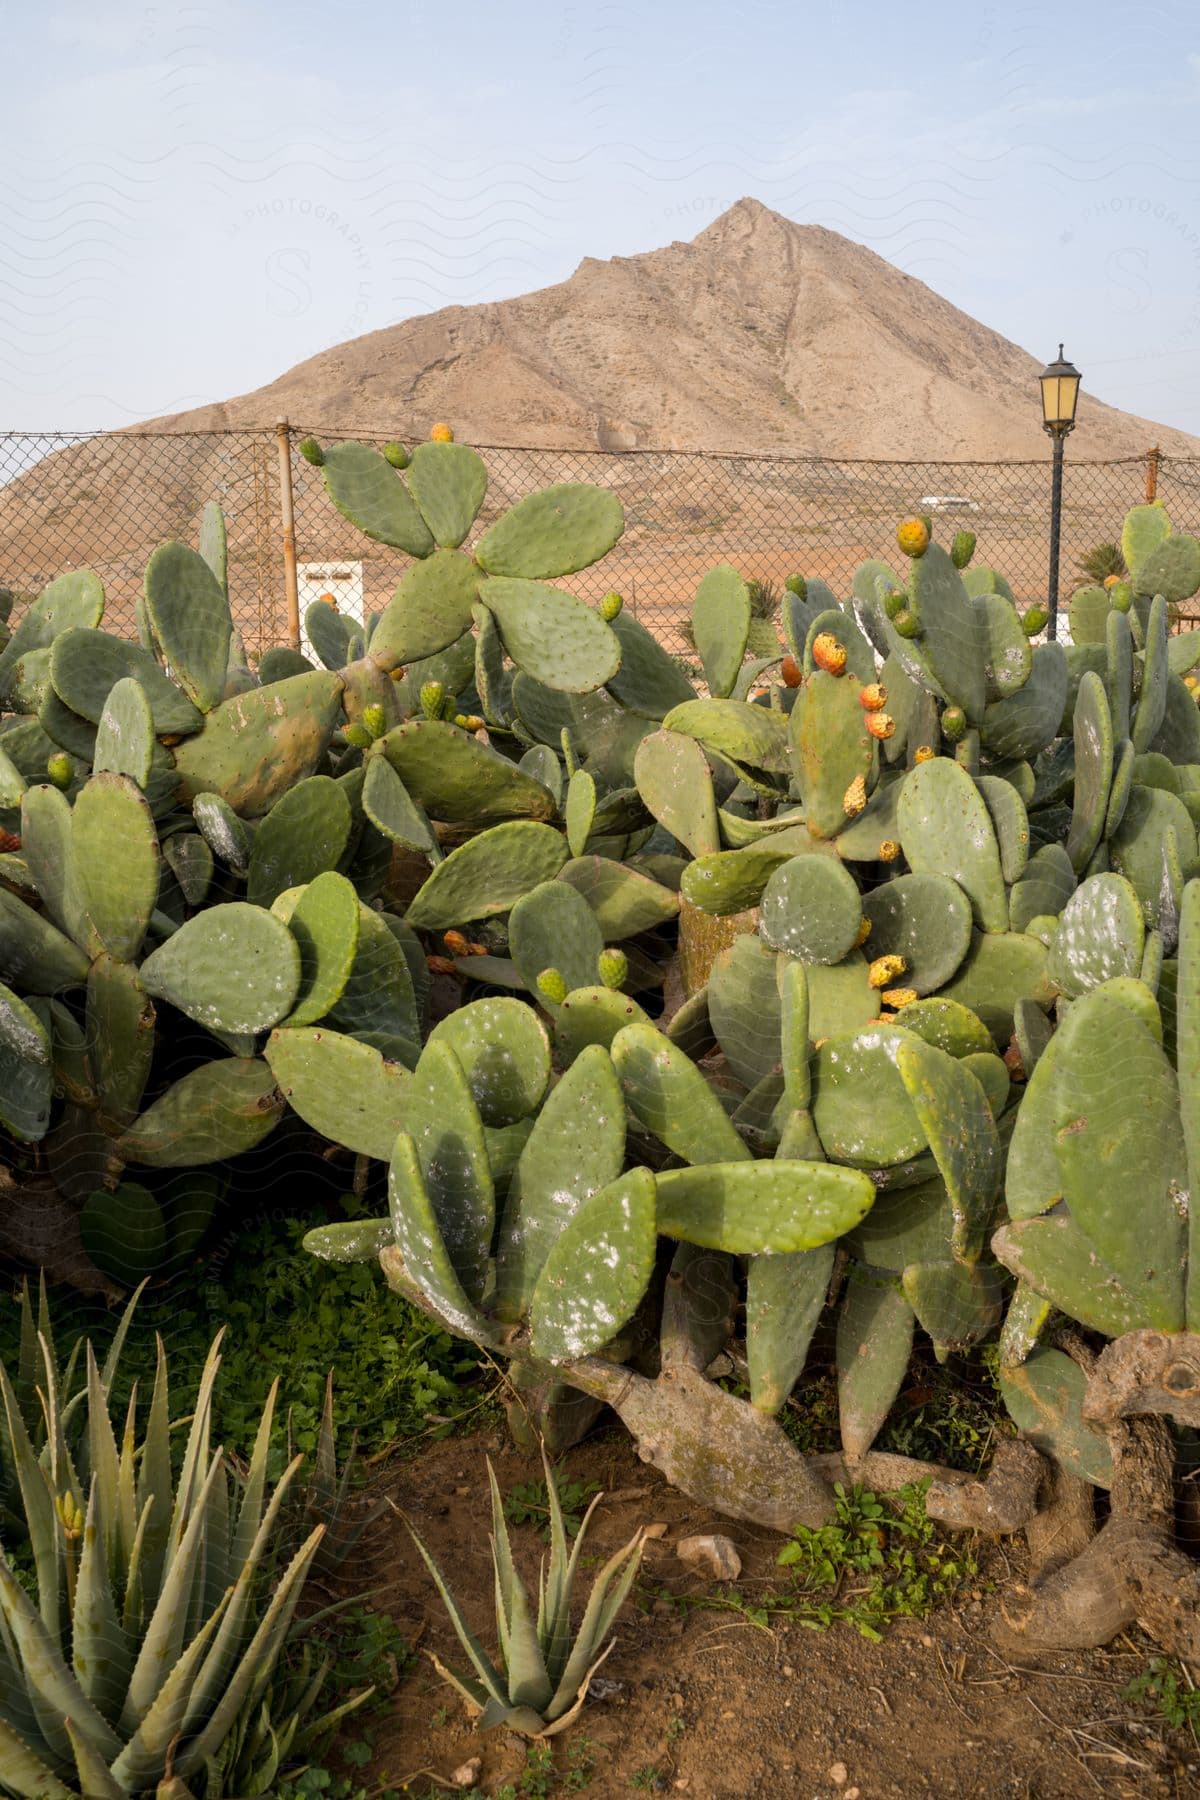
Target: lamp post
(1060, 394)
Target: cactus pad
(216, 1111)
(1045, 1397)
(125, 735)
(505, 1053)
(551, 635)
(448, 483)
(670, 1098)
(443, 1120)
(554, 927)
(721, 624)
(368, 491)
(553, 532)
(392, 810)
(756, 1207)
(674, 780)
(1101, 934)
(624, 900)
(257, 745)
(233, 968)
(343, 1089)
(33, 953)
(26, 1076)
(597, 1271)
(926, 919)
(325, 925)
(954, 1115)
(649, 680)
(487, 874)
(457, 779)
(85, 665)
(849, 1065)
(832, 751)
(189, 613)
(115, 852)
(874, 1344)
(576, 1148)
(423, 1259)
(811, 909)
(946, 829)
(304, 834)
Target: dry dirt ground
(702, 1702)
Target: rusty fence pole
(283, 438)
(1153, 457)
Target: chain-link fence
(106, 501)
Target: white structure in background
(949, 503)
(344, 580)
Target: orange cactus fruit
(327, 600)
(881, 725)
(872, 698)
(442, 433)
(864, 932)
(855, 797)
(792, 674)
(456, 943)
(828, 654)
(885, 969)
(912, 535)
(898, 998)
(924, 753)
(889, 850)
(441, 965)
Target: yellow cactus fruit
(864, 932)
(828, 654)
(912, 535)
(442, 433)
(1111, 580)
(468, 721)
(881, 725)
(924, 753)
(898, 997)
(885, 969)
(872, 698)
(889, 850)
(328, 600)
(855, 797)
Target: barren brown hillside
(751, 337)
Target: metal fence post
(1153, 458)
(287, 512)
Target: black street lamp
(1060, 395)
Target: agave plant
(327, 1497)
(544, 1676)
(146, 1637)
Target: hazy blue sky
(194, 197)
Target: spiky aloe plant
(146, 1637)
(543, 1678)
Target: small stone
(467, 1774)
(926, 1641)
(852, 1793)
(788, 1669)
(838, 1774)
(712, 1555)
(462, 1492)
(682, 1782)
(658, 1530)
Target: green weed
(528, 1504)
(1167, 1687)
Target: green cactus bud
(468, 721)
(954, 723)
(610, 606)
(962, 549)
(796, 584)
(1120, 595)
(358, 736)
(312, 452)
(1035, 620)
(894, 602)
(60, 768)
(397, 455)
(433, 695)
(906, 623)
(613, 967)
(552, 986)
(375, 720)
